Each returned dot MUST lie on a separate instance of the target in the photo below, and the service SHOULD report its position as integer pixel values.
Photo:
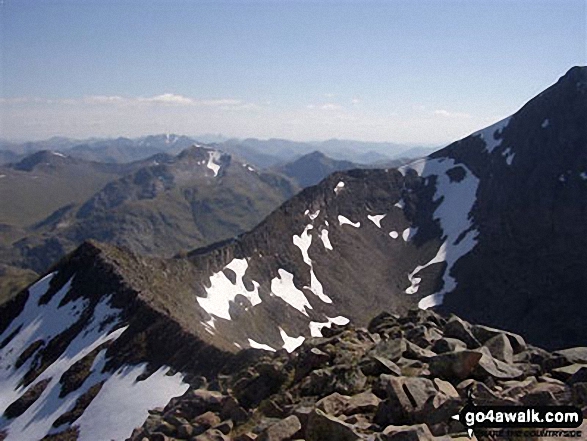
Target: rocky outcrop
(384, 383)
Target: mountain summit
(492, 226)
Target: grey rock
(565, 373)
(225, 427)
(322, 427)
(334, 404)
(282, 430)
(392, 349)
(491, 367)
(500, 348)
(574, 355)
(484, 333)
(233, 411)
(448, 344)
(212, 435)
(376, 365)
(365, 402)
(419, 432)
(454, 366)
(461, 330)
(310, 360)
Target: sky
(412, 72)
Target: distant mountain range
(260, 153)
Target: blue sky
(420, 72)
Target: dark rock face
(387, 406)
(525, 273)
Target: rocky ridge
(402, 378)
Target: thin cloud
(325, 106)
(447, 114)
(169, 99)
(103, 99)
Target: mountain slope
(164, 205)
(41, 183)
(313, 167)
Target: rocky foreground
(400, 379)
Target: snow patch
(257, 345)
(325, 239)
(453, 215)
(222, 291)
(290, 344)
(409, 233)
(61, 155)
(316, 327)
(123, 403)
(303, 242)
(394, 234)
(508, 155)
(213, 156)
(339, 187)
(314, 215)
(284, 288)
(344, 220)
(545, 123)
(488, 134)
(583, 175)
(401, 204)
(44, 322)
(376, 219)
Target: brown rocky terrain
(402, 378)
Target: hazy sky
(401, 71)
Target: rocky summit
(402, 378)
(491, 228)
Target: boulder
(579, 371)
(547, 394)
(454, 366)
(500, 348)
(310, 360)
(484, 333)
(334, 404)
(517, 389)
(579, 394)
(375, 365)
(574, 355)
(461, 330)
(482, 394)
(423, 336)
(207, 420)
(447, 344)
(406, 397)
(580, 376)
(282, 430)
(212, 435)
(322, 427)
(392, 349)
(365, 402)
(496, 369)
(382, 322)
(419, 432)
(231, 410)
(417, 353)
